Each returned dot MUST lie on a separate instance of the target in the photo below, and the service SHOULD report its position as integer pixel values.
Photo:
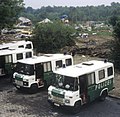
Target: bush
(50, 37)
(115, 47)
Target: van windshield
(66, 82)
(25, 69)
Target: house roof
(24, 20)
(46, 21)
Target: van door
(83, 88)
(2, 65)
(91, 86)
(9, 65)
(39, 73)
(48, 74)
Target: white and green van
(37, 72)
(9, 57)
(82, 83)
(16, 45)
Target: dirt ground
(116, 91)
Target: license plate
(18, 86)
(20, 83)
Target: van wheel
(52, 105)
(103, 96)
(76, 107)
(33, 88)
(19, 89)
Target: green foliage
(115, 46)
(116, 31)
(113, 20)
(75, 14)
(104, 33)
(50, 37)
(9, 10)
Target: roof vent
(79, 66)
(48, 55)
(87, 63)
(34, 57)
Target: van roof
(82, 68)
(13, 51)
(44, 58)
(14, 43)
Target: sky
(39, 3)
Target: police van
(37, 72)
(9, 58)
(16, 44)
(81, 83)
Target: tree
(50, 37)
(75, 14)
(9, 10)
(115, 47)
(113, 20)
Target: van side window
(68, 62)
(4, 48)
(91, 78)
(8, 59)
(59, 63)
(110, 71)
(19, 56)
(101, 74)
(28, 54)
(28, 46)
(21, 46)
(47, 67)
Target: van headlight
(67, 101)
(26, 80)
(49, 96)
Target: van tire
(33, 88)
(76, 107)
(52, 105)
(103, 95)
(19, 89)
